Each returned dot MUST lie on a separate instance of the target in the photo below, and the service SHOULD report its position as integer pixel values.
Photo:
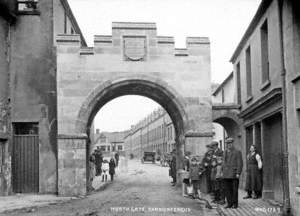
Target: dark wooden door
(272, 158)
(25, 164)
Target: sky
(223, 21)
(119, 114)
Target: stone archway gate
(133, 60)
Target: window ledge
(34, 12)
(249, 98)
(265, 85)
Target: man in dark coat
(232, 168)
(98, 161)
(217, 182)
(117, 158)
(112, 166)
(207, 164)
(173, 171)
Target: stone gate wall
(134, 51)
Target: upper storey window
(264, 53)
(238, 82)
(27, 6)
(248, 74)
(103, 139)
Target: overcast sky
(223, 21)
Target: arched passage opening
(155, 89)
(227, 117)
(140, 132)
(231, 129)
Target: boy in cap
(196, 170)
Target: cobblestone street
(136, 192)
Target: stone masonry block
(81, 175)
(80, 163)
(80, 154)
(69, 155)
(69, 163)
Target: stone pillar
(72, 165)
(180, 143)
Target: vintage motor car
(148, 156)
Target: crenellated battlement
(68, 39)
(165, 40)
(135, 41)
(134, 25)
(197, 41)
(102, 39)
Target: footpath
(29, 202)
(251, 207)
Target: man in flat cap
(216, 178)
(217, 151)
(206, 161)
(232, 168)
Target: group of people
(219, 171)
(102, 166)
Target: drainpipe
(285, 165)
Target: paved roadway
(139, 189)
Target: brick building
(266, 76)
(28, 92)
(266, 98)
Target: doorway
(25, 158)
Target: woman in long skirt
(253, 179)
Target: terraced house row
(153, 133)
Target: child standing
(195, 177)
(196, 171)
(105, 168)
